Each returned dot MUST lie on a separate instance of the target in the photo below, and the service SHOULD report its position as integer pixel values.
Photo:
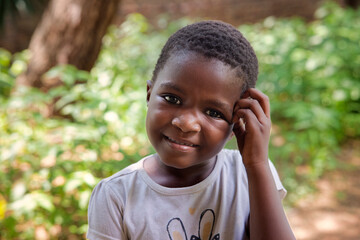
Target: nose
(187, 122)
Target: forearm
(267, 217)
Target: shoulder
(232, 158)
(233, 164)
(107, 201)
(230, 154)
(118, 184)
(125, 173)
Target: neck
(175, 178)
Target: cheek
(219, 132)
(156, 118)
(155, 115)
(227, 133)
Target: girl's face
(190, 109)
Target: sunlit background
(73, 122)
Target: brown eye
(172, 99)
(214, 113)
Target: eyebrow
(172, 86)
(221, 105)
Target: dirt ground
(333, 213)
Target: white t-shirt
(130, 205)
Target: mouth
(188, 144)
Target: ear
(149, 85)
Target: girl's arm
(252, 130)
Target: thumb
(240, 136)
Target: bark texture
(70, 32)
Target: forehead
(200, 77)
(196, 65)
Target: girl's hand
(252, 126)
(267, 216)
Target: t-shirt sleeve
(279, 186)
(105, 216)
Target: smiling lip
(184, 144)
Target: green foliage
(10, 66)
(49, 166)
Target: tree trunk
(70, 32)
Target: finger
(239, 126)
(249, 119)
(261, 98)
(255, 107)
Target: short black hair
(214, 39)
